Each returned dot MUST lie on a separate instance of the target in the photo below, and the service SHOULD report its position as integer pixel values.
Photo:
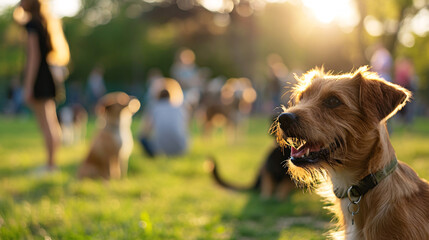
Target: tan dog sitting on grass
(111, 148)
(336, 127)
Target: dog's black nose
(287, 119)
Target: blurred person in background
(381, 62)
(46, 48)
(406, 77)
(277, 77)
(14, 97)
(96, 87)
(155, 82)
(164, 128)
(186, 72)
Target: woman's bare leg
(45, 111)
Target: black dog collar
(368, 182)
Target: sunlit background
(67, 8)
(231, 38)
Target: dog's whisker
(295, 142)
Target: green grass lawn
(162, 198)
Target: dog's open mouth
(309, 153)
(306, 152)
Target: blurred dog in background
(272, 178)
(112, 146)
(227, 105)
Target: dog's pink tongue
(293, 151)
(297, 153)
(304, 150)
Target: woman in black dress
(46, 46)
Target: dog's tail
(211, 166)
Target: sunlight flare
(328, 11)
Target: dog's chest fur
(351, 231)
(341, 180)
(126, 140)
(122, 136)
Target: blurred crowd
(199, 90)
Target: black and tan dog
(111, 148)
(272, 178)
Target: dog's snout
(287, 119)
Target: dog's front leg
(115, 167)
(267, 184)
(124, 166)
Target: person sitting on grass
(165, 128)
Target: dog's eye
(332, 102)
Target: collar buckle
(354, 194)
(353, 206)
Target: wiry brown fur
(398, 207)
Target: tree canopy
(128, 38)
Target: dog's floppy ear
(134, 105)
(103, 103)
(378, 98)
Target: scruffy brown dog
(336, 127)
(108, 156)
